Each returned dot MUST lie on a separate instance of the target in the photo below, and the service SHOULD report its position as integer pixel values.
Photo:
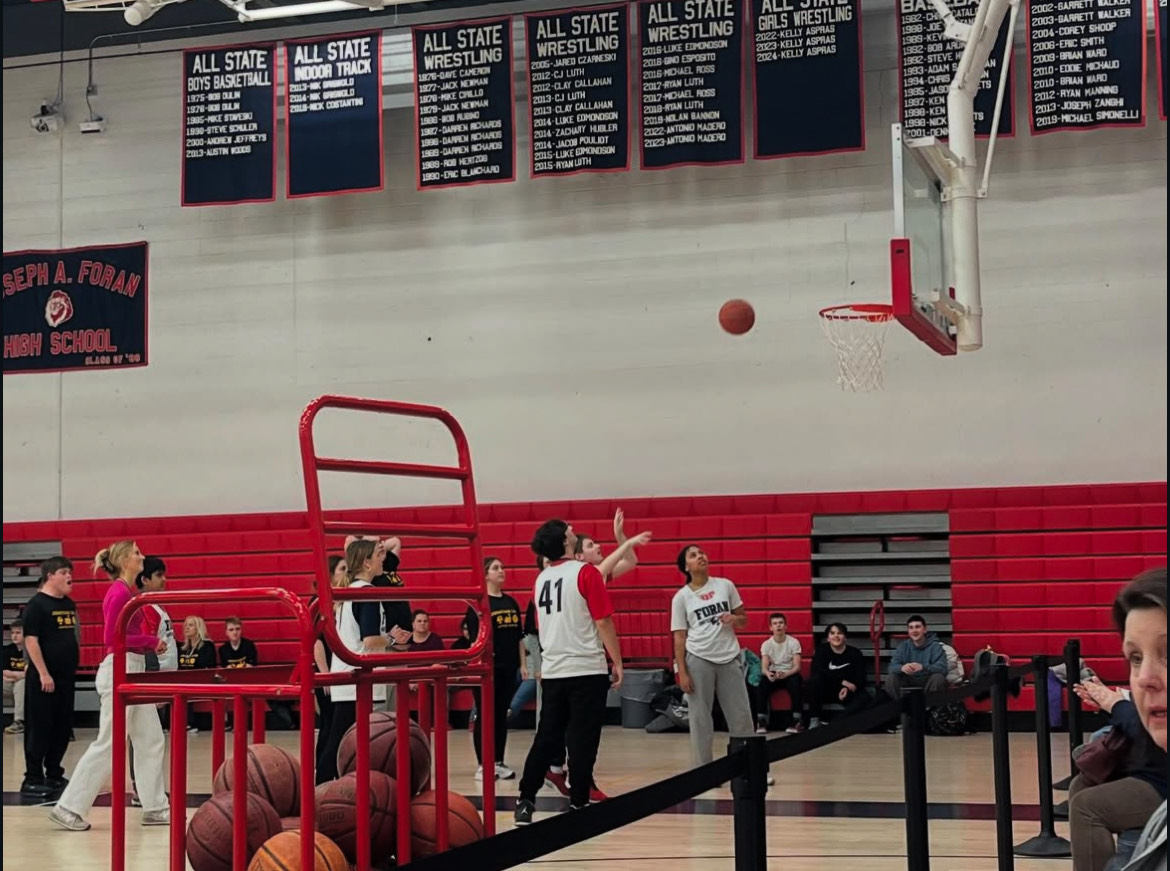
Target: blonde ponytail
(111, 559)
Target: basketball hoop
(857, 332)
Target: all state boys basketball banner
(928, 61)
(229, 125)
(77, 308)
(691, 95)
(806, 63)
(1087, 64)
(579, 82)
(464, 120)
(333, 133)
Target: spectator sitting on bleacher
(918, 661)
(780, 658)
(237, 651)
(838, 676)
(14, 672)
(196, 651)
(422, 638)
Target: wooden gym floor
(828, 808)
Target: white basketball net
(858, 334)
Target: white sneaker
(814, 723)
(67, 819)
(479, 774)
(157, 818)
(771, 780)
(503, 772)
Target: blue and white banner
(76, 308)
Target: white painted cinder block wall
(571, 324)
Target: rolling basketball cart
(431, 670)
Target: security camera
(48, 120)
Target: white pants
(712, 680)
(142, 725)
(15, 688)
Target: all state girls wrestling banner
(77, 308)
(333, 136)
(229, 125)
(806, 63)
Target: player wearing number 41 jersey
(574, 618)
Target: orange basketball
(273, 774)
(737, 316)
(383, 744)
(464, 824)
(337, 814)
(283, 853)
(209, 836)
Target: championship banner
(1087, 64)
(229, 125)
(1160, 24)
(77, 308)
(333, 133)
(806, 62)
(691, 64)
(579, 90)
(465, 115)
(927, 61)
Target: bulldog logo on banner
(78, 308)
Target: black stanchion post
(1002, 768)
(914, 773)
(1047, 844)
(748, 792)
(1076, 729)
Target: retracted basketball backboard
(920, 250)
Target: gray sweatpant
(713, 680)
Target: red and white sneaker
(557, 780)
(595, 794)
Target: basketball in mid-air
(737, 316)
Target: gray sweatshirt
(1150, 853)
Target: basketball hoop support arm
(964, 188)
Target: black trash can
(639, 687)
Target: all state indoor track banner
(333, 130)
(76, 308)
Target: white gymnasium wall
(570, 324)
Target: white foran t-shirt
(699, 612)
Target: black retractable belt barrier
(1047, 844)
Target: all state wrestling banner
(76, 308)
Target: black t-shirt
(13, 658)
(202, 656)
(53, 623)
(461, 643)
(506, 630)
(397, 611)
(238, 657)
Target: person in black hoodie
(838, 676)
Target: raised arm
(619, 562)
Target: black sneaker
(56, 784)
(523, 814)
(579, 807)
(34, 790)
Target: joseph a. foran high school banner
(76, 308)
